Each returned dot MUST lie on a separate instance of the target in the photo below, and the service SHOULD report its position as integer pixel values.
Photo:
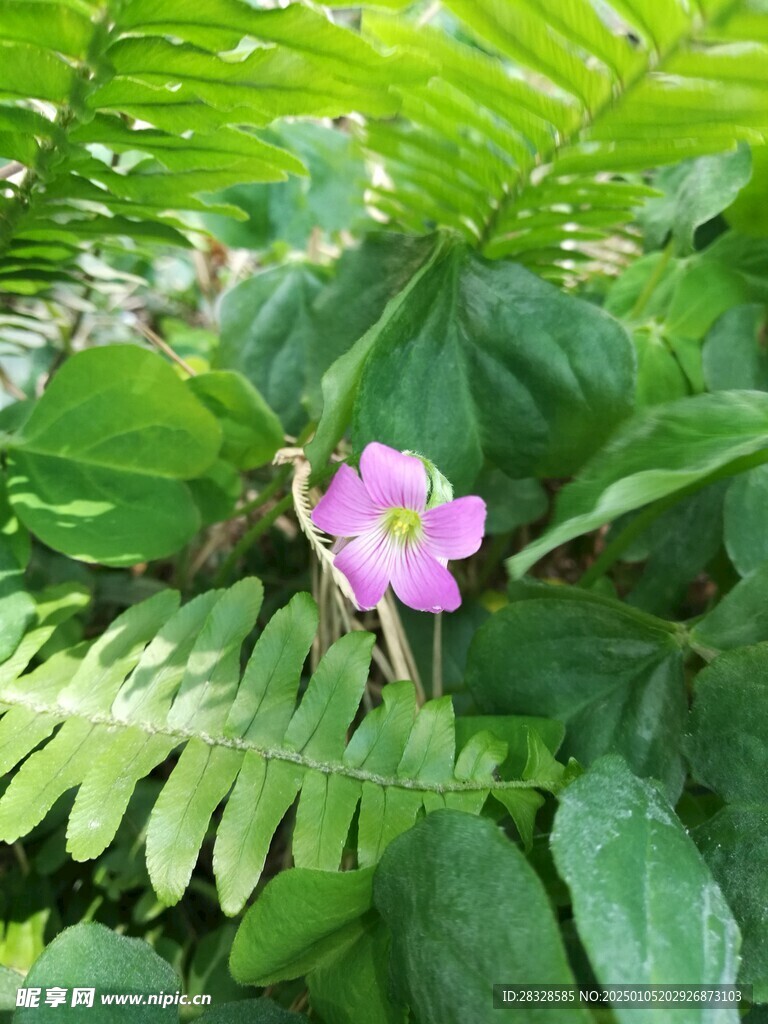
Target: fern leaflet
(549, 116)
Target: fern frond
(530, 142)
(121, 114)
(164, 679)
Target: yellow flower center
(403, 523)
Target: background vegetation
(526, 238)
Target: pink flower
(395, 538)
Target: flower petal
(367, 563)
(392, 479)
(346, 510)
(455, 530)
(421, 582)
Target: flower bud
(439, 488)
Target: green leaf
(90, 955)
(748, 256)
(141, 392)
(746, 539)
(647, 285)
(12, 533)
(282, 329)
(757, 1015)
(695, 192)
(511, 503)
(499, 364)
(320, 726)
(618, 845)
(92, 686)
(100, 514)
(266, 334)
(734, 843)
(55, 606)
(252, 432)
(10, 981)
(353, 985)
(676, 547)
(300, 920)
(734, 352)
(17, 608)
(727, 742)
(28, 916)
(208, 971)
(705, 291)
(97, 469)
(513, 730)
(741, 617)
(216, 492)
(250, 1011)
(330, 198)
(30, 72)
(660, 453)
(747, 213)
(159, 86)
(611, 674)
(341, 381)
(660, 377)
(54, 26)
(456, 930)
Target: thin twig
(300, 1001)
(212, 545)
(7, 385)
(158, 342)
(21, 856)
(8, 170)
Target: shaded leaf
(734, 352)
(659, 453)
(498, 364)
(646, 907)
(611, 674)
(746, 539)
(740, 618)
(457, 931)
(115, 964)
(734, 843)
(727, 741)
(252, 432)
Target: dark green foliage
(464, 906)
(612, 675)
(240, 240)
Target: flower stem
(437, 657)
(398, 646)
